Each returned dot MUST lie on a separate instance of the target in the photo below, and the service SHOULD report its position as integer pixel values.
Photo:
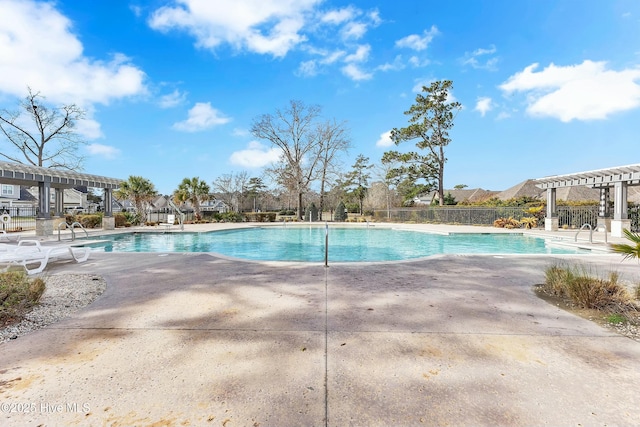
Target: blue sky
(171, 86)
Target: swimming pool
(307, 244)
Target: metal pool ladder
(71, 227)
(575, 239)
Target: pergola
(617, 178)
(47, 179)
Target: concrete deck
(194, 339)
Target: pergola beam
(618, 178)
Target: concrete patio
(195, 339)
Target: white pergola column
(551, 219)
(108, 220)
(59, 204)
(620, 219)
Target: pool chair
(34, 257)
(171, 220)
(4, 236)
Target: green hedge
(260, 216)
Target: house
(462, 195)
(13, 195)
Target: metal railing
(572, 217)
(21, 218)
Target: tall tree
(406, 174)
(43, 136)
(383, 172)
(334, 140)
(431, 118)
(358, 179)
(293, 130)
(254, 189)
(192, 190)
(140, 191)
(230, 189)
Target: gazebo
(617, 178)
(47, 179)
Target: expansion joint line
(326, 347)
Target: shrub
(132, 217)
(341, 214)
(260, 216)
(529, 222)
(18, 293)
(353, 207)
(506, 223)
(587, 290)
(229, 217)
(311, 213)
(90, 221)
(120, 219)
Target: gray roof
(526, 188)
(21, 174)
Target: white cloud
(240, 132)
(307, 69)
(586, 91)
(355, 73)
(503, 115)
(274, 27)
(263, 26)
(172, 99)
(354, 30)
(201, 117)
(483, 105)
(397, 64)
(384, 140)
(417, 62)
(417, 42)
(339, 16)
(360, 55)
(38, 49)
(417, 88)
(481, 59)
(104, 151)
(255, 156)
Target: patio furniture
(34, 257)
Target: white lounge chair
(29, 252)
(171, 220)
(5, 236)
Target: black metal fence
(568, 216)
(634, 216)
(23, 218)
(18, 218)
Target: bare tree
(293, 130)
(385, 173)
(230, 188)
(334, 140)
(43, 136)
(308, 148)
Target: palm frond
(629, 251)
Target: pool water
(345, 244)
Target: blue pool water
(345, 244)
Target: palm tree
(140, 191)
(629, 251)
(192, 190)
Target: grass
(18, 294)
(586, 289)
